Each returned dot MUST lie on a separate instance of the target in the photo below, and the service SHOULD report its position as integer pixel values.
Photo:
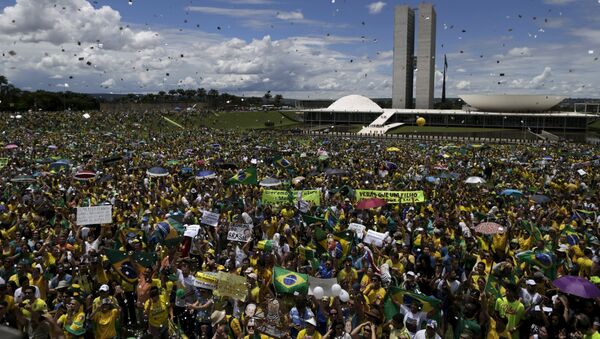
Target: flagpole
(444, 80)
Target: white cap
(411, 273)
(531, 282)
(311, 321)
(104, 288)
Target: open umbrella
(489, 228)
(186, 170)
(11, 146)
(270, 182)
(84, 175)
(60, 165)
(540, 198)
(475, 180)
(369, 203)
(157, 172)
(393, 149)
(510, 192)
(111, 160)
(578, 286)
(297, 180)
(206, 174)
(23, 179)
(390, 165)
(52, 147)
(335, 171)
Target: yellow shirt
(350, 276)
(375, 296)
(15, 278)
(105, 324)
(158, 312)
(302, 334)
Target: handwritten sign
(210, 218)
(232, 285)
(191, 231)
(241, 233)
(374, 238)
(94, 215)
(358, 229)
(391, 196)
(207, 280)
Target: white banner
(374, 238)
(210, 218)
(94, 215)
(241, 233)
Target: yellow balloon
(421, 122)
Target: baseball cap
(432, 323)
(104, 288)
(531, 282)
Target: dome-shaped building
(354, 103)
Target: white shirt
(18, 296)
(421, 335)
(529, 299)
(412, 321)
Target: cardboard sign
(358, 229)
(232, 285)
(94, 215)
(374, 238)
(241, 233)
(191, 231)
(392, 196)
(207, 280)
(210, 218)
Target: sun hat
(216, 317)
(311, 321)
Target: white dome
(512, 102)
(354, 103)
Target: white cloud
(519, 51)
(108, 83)
(188, 82)
(296, 15)
(589, 34)
(537, 82)
(70, 22)
(558, 2)
(462, 85)
(376, 7)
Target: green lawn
(595, 125)
(236, 120)
(441, 129)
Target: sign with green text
(392, 196)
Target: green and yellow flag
(244, 177)
(406, 297)
(265, 245)
(282, 162)
(344, 238)
(129, 266)
(288, 282)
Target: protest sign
(375, 238)
(242, 233)
(232, 285)
(210, 218)
(94, 215)
(191, 231)
(392, 196)
(324, 283)
(358, 229)
(3, 162)
(207, 280)
(277, 197)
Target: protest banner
(232, 285)
(374, 238)
(358, 229)
(207, 280)
(94, 215)
(210, 218)
(3, 162)
(191, 231)
(277, 197)
(242, 233)
(391, 196)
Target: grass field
(243, 120)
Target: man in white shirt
(529, 296)
(429, 332)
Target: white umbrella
(270, 182)
(475, 180)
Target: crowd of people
(435, 271)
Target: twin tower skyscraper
(404, 58)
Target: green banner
(392, 196)
(276, 197)
(3, 162)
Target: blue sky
(302, 49)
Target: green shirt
(512, 311)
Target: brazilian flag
(244, 177)
(309, 219)
(130, 233)
(167, 232)
(344, 240)
(282, 162)
(541, 259)
(265, 245)
(288, 282)
(331, 217)
(306, 253)
(129, 266)
(406, 297)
